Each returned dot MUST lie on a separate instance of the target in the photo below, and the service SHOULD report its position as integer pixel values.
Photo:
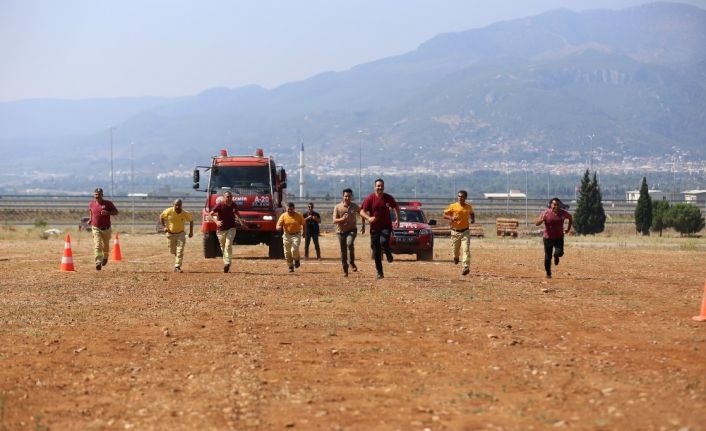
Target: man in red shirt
(376, 210)
(227, 217)
(100, 210)
(553, 219)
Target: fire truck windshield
(243, 180)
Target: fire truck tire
(211, 246)
(427, 255)
(276, 249)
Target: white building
(513, 194)
(656, 195)
(695, 196)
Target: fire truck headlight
(267, 217)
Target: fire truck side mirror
(197, 177)
(282, 175)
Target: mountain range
(559, 87)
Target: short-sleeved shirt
(176, 221)
(312, 226)
(379, 207)
(349, 224)
(98, 220)
(291, 223)
(554, 223)
(463, 212)
(226, 214)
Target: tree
(590, 216)
(685, 218)
(659, 216)
(643, 211)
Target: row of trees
(658, 215)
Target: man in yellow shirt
(459, 213)
(290, 223)
(173, 220)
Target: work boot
(466, 270)
(98, 266)
(291, 269)
(177, 269)
(297, 264)
(105, 261)
(226, 268)
(556, 260)
(455, 261)
(379, 276)
(355, 268)
(389, 257)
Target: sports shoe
(354, 268)
(226, 268)
(389, 257)
(177, 269)
(556, 260)
(105, 261)
(379, 276)
(455, 261)
(345, 273)
(297, 264)
(98, 266)
(549, 276)
(466, 270)
(291, 269)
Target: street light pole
(360, 162)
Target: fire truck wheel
(211, 246)
(276, 250)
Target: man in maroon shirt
(553, 219)
(227, 217)
(376, 210)
(100, 210)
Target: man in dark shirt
(553, 219)
(376, 210)
(226, 216)
(311, 231)
(100, 210)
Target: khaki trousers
(461, 242)
(226, 238)
(177, 242)
(101, 243)
(291, 243)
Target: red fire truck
(257, 185)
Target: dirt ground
(609, 343)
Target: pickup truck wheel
(427, 255)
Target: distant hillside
(618, 84)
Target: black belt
(459, 230)
(102, 228)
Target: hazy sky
(99, 48)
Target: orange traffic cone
(702, 317)
(67, 260)
(116, 256)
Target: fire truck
(257, 184)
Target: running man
(173, 220)
(460, 213)
(100, 211)
(553, 219)
(311, 231)
(290, 224)
(227, 217)
(345, 215)
(376, 210)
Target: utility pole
(112, 181)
